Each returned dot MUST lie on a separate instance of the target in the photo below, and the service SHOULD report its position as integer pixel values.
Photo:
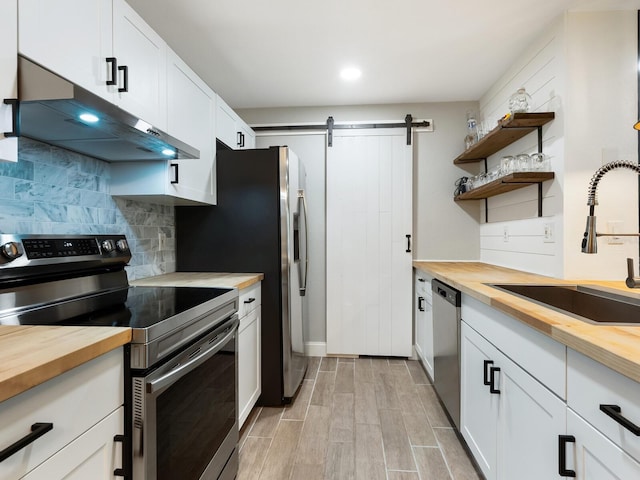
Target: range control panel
(24, 250)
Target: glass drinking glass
(507, 164)
(523, 162)
(539, 162)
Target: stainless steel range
(181, 365)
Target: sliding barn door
(369, 182)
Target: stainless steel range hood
(50, 111)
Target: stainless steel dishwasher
(446, 347)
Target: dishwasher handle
(447, 293)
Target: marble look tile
(90, 198)
(252, 457)
(23, 170)
(30, 191)
(279, 461)
(106, 216)
(50, 212)
(32, 150)
(7, 188)
(17, 210)
(431, 464)
(76, 214)
(82, 180)
(455, 455)
(49, 174)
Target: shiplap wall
(583, 68)
(514, 236)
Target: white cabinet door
(72, 38)
(226, 124)
(369, 271)
(424, 321)
(596, 457)
(478, 406)
(530, 420)
(247, 137)
(249, 376)
(8, 79)
(94, 455)
(190, 118)
(142, 54)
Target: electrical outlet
(505, 234)
(549, 233)
(614, 226)
(162, 241)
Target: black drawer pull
(114, 70)
(421, 304)
(120, 472)
(125, 78)
(614, 411)
(251, 300)
(176, 177)
(562, 455)
(486, 372)
(492, 380)
(37, 430)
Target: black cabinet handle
(37, 430)
(492, 380)
(175, 173)
(251, 300)
(614, 411)
(15, 117)
(486, 371)
(421, 304)
(421, 279)
(113, 63)
(408, 243)
(120, 472)
(240, 139)
(125, 78)
(562, 455)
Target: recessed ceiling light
(88, 117)
(168, 152)
(350, 73)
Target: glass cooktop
(135, 307)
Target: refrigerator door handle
(303, 277)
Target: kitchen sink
(593, 304)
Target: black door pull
(37, 430)
(492, 380)
(113, 63)
(408, 243)
(175, 173)
(421, 304)
(614, 411)
(563, 471)
(125, 78)
(486, 363)
(15, 117)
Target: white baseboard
(315, 349)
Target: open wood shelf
(505, 133)
(504, 184)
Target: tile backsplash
(56, 191)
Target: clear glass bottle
(520, 102)
(472, 130)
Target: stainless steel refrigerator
(258, 225)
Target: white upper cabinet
(8, 79)
(141, 55)
(231, 129)
(76, 39)
(190, 106)
(72, 38)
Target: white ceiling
(259, 53)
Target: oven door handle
(182, 369)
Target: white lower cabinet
(84, 408)
(8, 80)
(249, 365)
(423, 320)
(510, 421)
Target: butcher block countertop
(200, 279)
(617, 347)
(31, 355)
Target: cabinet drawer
(591, 384)
(73, 402)
(539, 355)
(250, 299)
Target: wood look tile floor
(362, 419)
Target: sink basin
(593, 304)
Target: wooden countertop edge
(620, 351)
(20, 379)
(201, 280)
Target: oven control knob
(108, 246)
(11, 250)
(122, 245)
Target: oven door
(184, 412)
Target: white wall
(584, 68)
(442, 229)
